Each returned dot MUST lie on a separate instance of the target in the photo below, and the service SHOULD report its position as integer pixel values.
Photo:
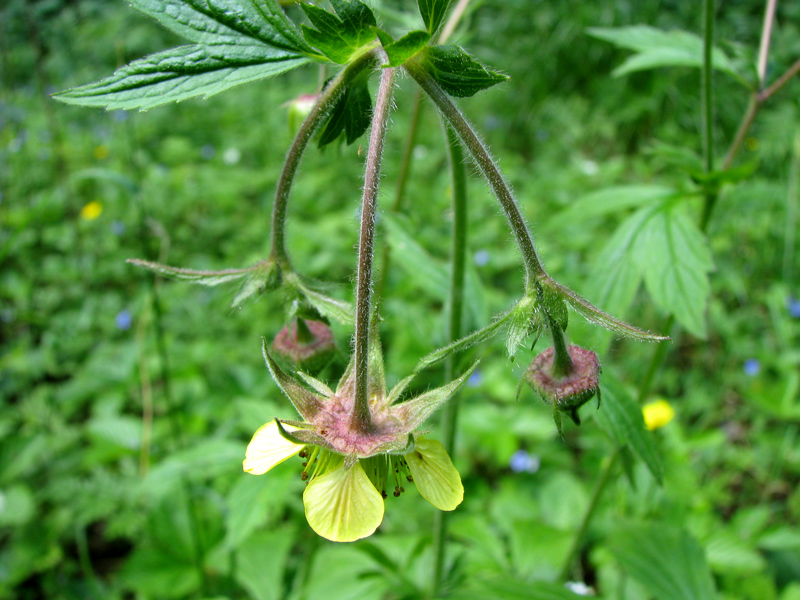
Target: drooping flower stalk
(361, 419)
(326, 101)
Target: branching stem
(534, 269)
(326, 101)
(361, 418)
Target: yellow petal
(342, 505)
(269, 448)
(434, 474)
(657, 414)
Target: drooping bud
(566, 394)
(308, 345)
(299, 109)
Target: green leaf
(351, 115)
(457, 72)
(666, 561)
(260, 562)
(228, 22)
(184, 72)
(610, 200)
(341, 35)
(675, 260)
(655, 48)
(622, 418)
(433, 12)
(407, 46)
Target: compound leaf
(457, 72)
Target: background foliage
(127, 402)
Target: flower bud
(308, 345)
(568, 393)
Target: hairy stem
(454, 327)
(533, 266)
(361, 419)
(400, 190)
(326, 101)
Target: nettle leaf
(351, 115)
(181, 73)
(457, 72)
(338, 36)
(621, 417)
(433, 12)
(655, 48)
(202, 22)
(675, 259)
(407, 46)
(246, 41)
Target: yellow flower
(657, 414)
(349, 471)
(100, 152)
(91, 210)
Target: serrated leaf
(351, 115)
(622, 418)
(675, 260)
(610, 200)
(655, 48)
(433, 12)
(183, 72)
(666, 561)
(203, 22)
(457, 72)
(339, 36)
(407, 46)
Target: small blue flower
(752, 367)
(117, 227)
(793, 306)
(120, 116)
(124, 319)
(522, 462)
(475, 379)
(481, 258)
(207, 152)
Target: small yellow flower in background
(657, 414)
(91, 210)
(100, 152)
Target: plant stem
(452, 22)
(766, 34)
(326, 101)
(533, 267)
(562, 361)
(597, 492)
(361, 418)
(402, 179)
(454, 327)
(707, 105)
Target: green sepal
(524, 319)
(407, 46)
(351, 115)
(306, 403)
(339, 36)
(457, 72)
(433, 12)
(303, 436)
(552, 303)
(417, 410)
(328, 307)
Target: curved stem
(326, 101)
(402, 179)
(454, 327)
(533, 266)
(361, 418)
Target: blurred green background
(127, 401)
